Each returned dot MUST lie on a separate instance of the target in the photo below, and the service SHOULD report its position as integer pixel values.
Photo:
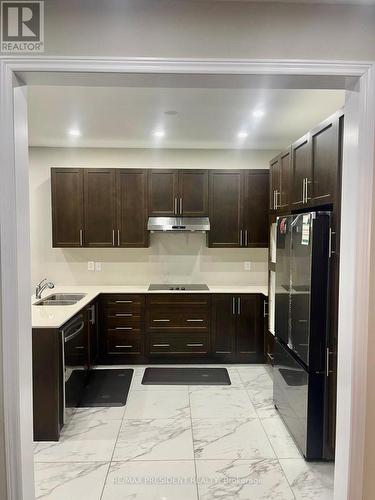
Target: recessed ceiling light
(242, 134)
(74, 132)
(258, 113)
(159, 133)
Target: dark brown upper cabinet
(193, 193)
(67, 207)
(255, 216)
(238, 208)
(326, 147)
(162, 192)
(225, 202)
(301, 172)
(178, 192)
(131, 197)
(275, 182)
(283, 200)
(100, 207)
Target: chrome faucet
(42, 286)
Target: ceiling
(189, 117)
(345, 2)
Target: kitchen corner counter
(56, 316)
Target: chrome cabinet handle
(121, 315)
(276, 193)
(330, 251)
(233, 305)
(180, 206)
(92, 319)
(124, 328)
(123, 346)
(265, 313)
(113, 238)
(241, 237)
(161, 345)
(118, 237)
(195, 320)
(81, 237)
(194, 345)
(175, 206)
(161, 320)
(239, 306)
(124, 301)
(307, 189)
(246, 238)
(79, 347)
(274, 199)
(328, 354)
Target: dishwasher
(75, 360)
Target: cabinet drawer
(132, 344)
(184, 319)
(123, 303)
(178, 300)
(123, 330)
(123, 319)
(180, 344)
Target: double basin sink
(60, 299)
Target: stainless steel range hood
(178, 224)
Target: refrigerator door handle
(328, 354)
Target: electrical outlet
(247, 265)
(98, 266)
(91, 265)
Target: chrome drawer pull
(120, 315)
(123, 301)
(79, 347)
(161, 320)
(124, 328)
(128, 346)
(194, 345)
(195, 320)
(161, 345)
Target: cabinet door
(325, 162)
(256, 209)
(284, 197)
(301, 171)
(100, 207)
(163, 193)
(250, 331)
(67, 207)
(131, 187)
(193, 193)
(223, 325)
(275, 182)
(225, 200)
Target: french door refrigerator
(301, 327)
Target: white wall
(170, 258)
(187, 28)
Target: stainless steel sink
(61, 299)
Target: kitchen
(125, 259)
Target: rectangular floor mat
(186, 376)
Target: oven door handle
(74, 334)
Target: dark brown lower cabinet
(121, 328)
(237, 328)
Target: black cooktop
(177, 287)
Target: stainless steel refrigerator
(302, 326)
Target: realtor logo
(22, 26)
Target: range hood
(178, 224)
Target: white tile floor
(182, 442)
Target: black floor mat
(186, 376)
(105, 388)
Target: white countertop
(56, 316)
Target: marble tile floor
(181, 442)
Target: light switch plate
(98, 266)
(91, 265)
(247, 265)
